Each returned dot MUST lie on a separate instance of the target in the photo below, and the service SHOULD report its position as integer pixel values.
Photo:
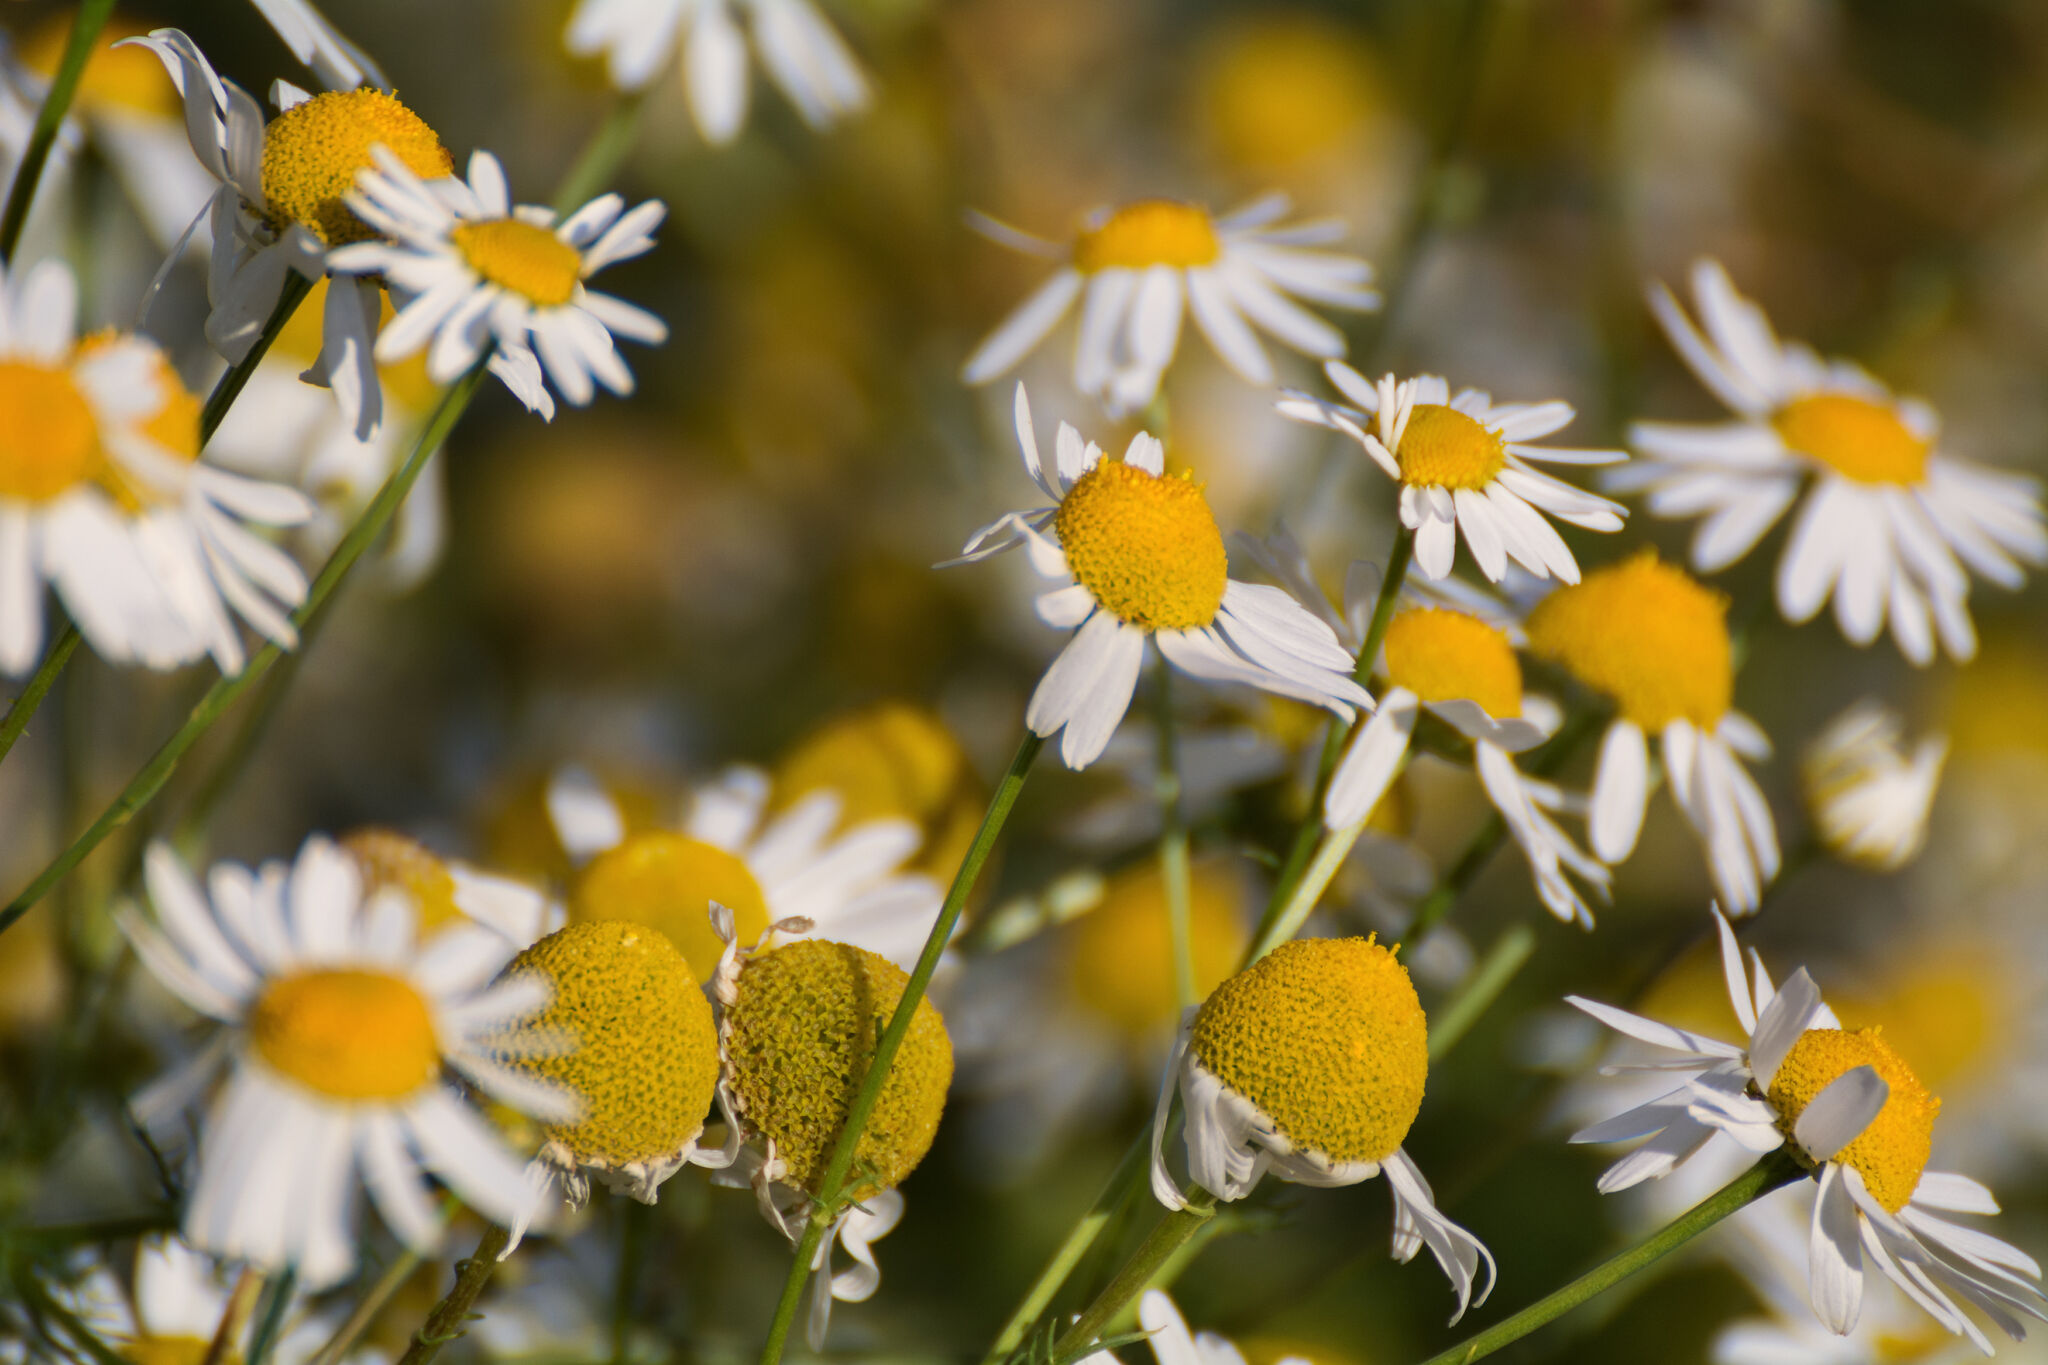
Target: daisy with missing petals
(340, 1032)
(1464, 464)
(1869, 801)
(1655, 641)
(1142, 265)
(103, 498)
(1851, 1111)
(1138, 557)
(468, 271)
(1888, 520)
(805, 56)
(1310, 1064)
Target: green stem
(832, 1184)
(44, 1304)
(1773, 1172)
(1284, 921)
(1167, 1237)
(446, 1322)
(602, 155)
(24, 708)
(1173, 846)
(1482, 986)
(389, 1283)
(78, 50)
(230, 385)
(270, 1322)
(637, 1223)
(226, 691)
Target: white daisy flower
(1310, 1064)
(1655, 641)
(1142, 265)
(177, 1301)
(339, 1031)
(1868, 799)
(1138, 557)
(1888, 522)
(805, 56)
(1852, 1111)
(1166, 1332)
(104, 499)
(1464, 463)
(767, 866)
(470, 271)
(446, 892)
(279, 208)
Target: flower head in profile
(1465, 465)
(470, 270)
(1138, 267)
(1310, 1064)
(1868, 798)
(342, 1036)
(1888, 520)
(1137, 556)
(1850, 1110)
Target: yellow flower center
(1855, 437)
(167, 1350)
(389, 860)
(1147, 233)
(347, 1033)
(800, 1035)
(49, 442)
(1648, 635)
(646, 1054)
(891, 760)
(1145, 546)
(1444, 448)
(1121, 957)
(1326, 1037)
(312, 151)
(1282, 89)
(1893, 1150)
(1443, 655)
(127, 78)
(525, 258)
(667, 881)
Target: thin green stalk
(1173, 846)
(1482, 986)
(1069, 1253)
(230, 385)
(234, 1316)
(1284, 921)
(270, 1322)
(78, 49)
(602, 155)
(1166, 1238)
(226, 691)
(447, 1321)
(1218, 1224)
(832, 1184)
(24, 708)
(1773, 1172)
(389, 1283)
(636, 1224)
(44, 1305)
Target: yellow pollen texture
(388, 859)
(668, 881)
(799, 1038)
(1122, 953)
(347, 1033)
(312, 151)
(1326, 1037)
(1444, 448)
(1857, 438)
(1443, 655)
(1145, 546)
(527, 259)
(166, 1351)
(49, 442)
(1648, 635)
(1892, 1152)
(1150, 232)
(645, 1059)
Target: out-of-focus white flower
(1166, 1332)
(1870, 801)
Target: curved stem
(1069, 1253)
(1173, 846)
(85, 32)
(1482, 986)
(445, 1323)
(1773, 1172)
(1168, 1235)
(24, 708)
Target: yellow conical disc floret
(312, 151)
(668, 881)
(1148, 233)
(387, 858)
(1857, 438)
(523, 257)
(1442, 447)
(1443, 655)
(1145, 546)
(347, 1033)
(1325, 1036)
(1647, 634)
(1892, 1152)
(799, 1035)
(1122, 954)
(645, 1060)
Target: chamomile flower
(1138, 557)
(470, 272)
(797, 1028)
(1310, 1064)
(1137, 268)
(1888, 520)
(174, 1307)
(1465, 464)
(1851, 1110)
(338, 1031)
(279, 208)
(339, 64)
(1869, 800)
(1655, 641)
(805, 56)
(103, 498)
(445, 892)
(797, 864)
